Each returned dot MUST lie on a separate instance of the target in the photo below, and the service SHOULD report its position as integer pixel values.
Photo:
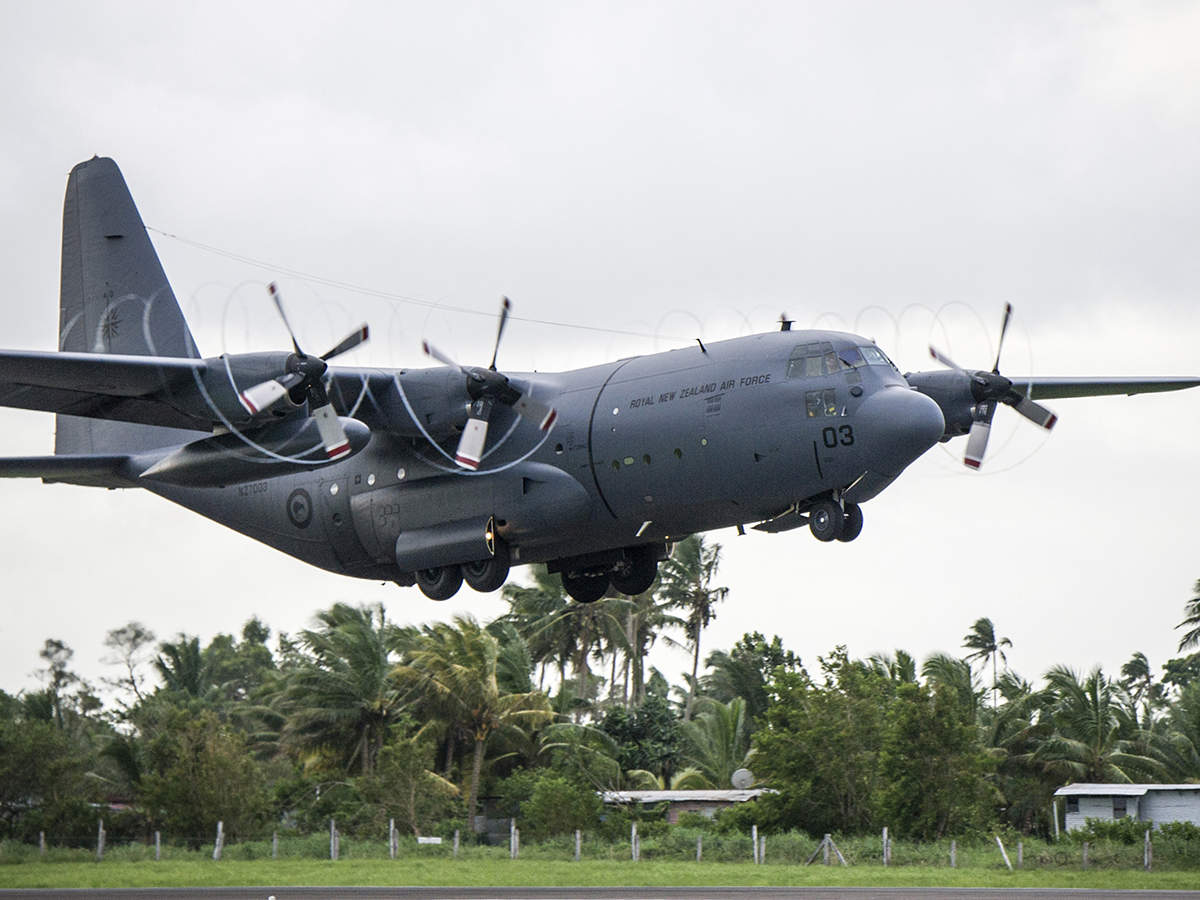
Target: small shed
(1158, 803)
(707, 803)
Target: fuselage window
(821, 403)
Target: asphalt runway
(606, 893)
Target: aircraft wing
(1055, 388)
(101, 385)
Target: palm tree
(746, 671)
(687, 585)
(1191, 611)
(456, 667)
(559, 629)
(955, 675)
(342, 694)
(645, 618)
(1094, 736)
(982, 640)
(717, 741)
(182, 666)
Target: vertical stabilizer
(114, 299)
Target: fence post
(391, 838)
(885, 846)
(762, 849)
(578, 844)
(754, 842)
(157, 846)
(456, 843)
(1085, 850)
(1020, 854)
(333, 842)
(1055, 817)
(954, 854)
(1147, 852)
(699, 847)
(516, 843)
(1003, 853)
(100, 842)
(512, 838)
(41, 843)
(274, 845)
(218, 844)
(825, 848)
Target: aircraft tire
(826, 520)
(852, 525)
(488, 575)
(441, 583)
(585, 588)
(638, 573)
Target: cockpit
(818, 358)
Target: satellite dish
(742, 779)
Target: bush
(1117, 831)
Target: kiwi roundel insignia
(299, 508)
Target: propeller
(302, 381)
(989, 389)
(486, 388)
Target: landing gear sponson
(630, 571)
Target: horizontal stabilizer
(86, 469)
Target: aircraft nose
(897, 425)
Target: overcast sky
(672, 170)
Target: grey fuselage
(645, 449)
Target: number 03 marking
(843, 435)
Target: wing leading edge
(1059, 388)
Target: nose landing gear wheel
(584, 587)
(441, 583)
(826, 520)
(852, 524)
(490, 574)
(638, 571)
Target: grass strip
(543, 873)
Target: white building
(1158, 803)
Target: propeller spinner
(303, 381)
(486, 388)
(989, 389)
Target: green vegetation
(462, 725)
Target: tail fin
(114, 299)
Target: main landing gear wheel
(852, 523)
(637, 573)
(441, 583)
(490, 574)
(585, 587)
(826, 520)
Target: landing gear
(585, 586)
(852, 523)
(826, 520)
(490, 574)
(637, 572)
(441, 583)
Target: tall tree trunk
(366, 751)
(476, 768)
(687, 710)
(449, 762)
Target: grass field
(504, 872)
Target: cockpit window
(875, 357)
(815, 359)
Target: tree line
(363, 720)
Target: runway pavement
(607, 893)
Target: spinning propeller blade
(304, 376)
(989, 388)
(487, 387)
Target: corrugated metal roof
(729, 796)
(1119, 790)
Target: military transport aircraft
(450, 473)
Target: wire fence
(674, 844)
